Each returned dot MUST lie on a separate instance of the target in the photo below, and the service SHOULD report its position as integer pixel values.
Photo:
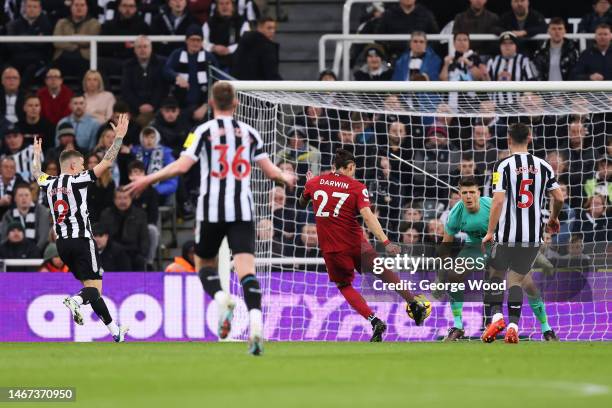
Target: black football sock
(495, 298)
(515, 303)
(88, 294)
(210, 280)
(252, 292)
(99, 306)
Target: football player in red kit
(337, 200)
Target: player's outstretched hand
(392, 249)
(289, 179)
(309, 175)
(121, 127)
(136, 187)
(487, 240)
(37, 146)
(553, 226)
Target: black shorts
(81, 257)
(240, 237)
(516, 258)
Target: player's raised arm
(109, 158)
(274, 173)
(176, 168)
(375, 228)
(36, 165)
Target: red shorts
(341, 266)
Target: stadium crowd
(48, 91)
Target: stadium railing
(348, 39)
(93, 41)
(343, 48)
(26, 263)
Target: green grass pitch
(177, 375)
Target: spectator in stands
(141, 87)
(66, 140)
(601, 183)
(346, 138)
(15, 146)
(54, 97)
(485, 153)
(327, 75)
(411, 236)
(376, 67)
(185, 262)
(298, 151)
(52, 262)
(200, 9)
(147, 201)
(84, 125)
(567, 218)
(467, 168)
(595, 64)
(33, 217)
(478, 20)
(509, 65)
(8, 180)
(558, 161)
(113, 256)
(386, 195)
(35, 125)
(126, 21)
(150, 8)
(601, 14)
(155, 156)
(556, 58)
(99, 103)
(73, 58)
(368, 24)
(524, 22)
(29, 58)
(222, 32)
(419, 59)
(119, 169)
(434, 231)
(187, 69)
(128, 226)
(16, 246)
(257, 55)
(172, 125)
(99, 194)
(11, 96)
(594, 222)
(173, 19)
(265, 232)
(284, 216)
(398, 142)
(465, 64)
(405, 18)
(306, 245)
(318, 124)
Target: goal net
(413, 143)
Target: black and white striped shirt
(226, 149)
(525, 179)
(67, 197)
(520, 69)
(23, 162)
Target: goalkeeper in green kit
(471, 216)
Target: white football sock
(256, 319)
(78, 299)
(497, 316)
(113, 328)
(512, 325)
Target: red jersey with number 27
(337, 200)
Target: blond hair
(96, 74)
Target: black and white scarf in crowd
(156, 161)
(183, 67)
(28, 222)
(520, 69)
(7, 188)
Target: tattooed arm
(111, 154)
(36, 165)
